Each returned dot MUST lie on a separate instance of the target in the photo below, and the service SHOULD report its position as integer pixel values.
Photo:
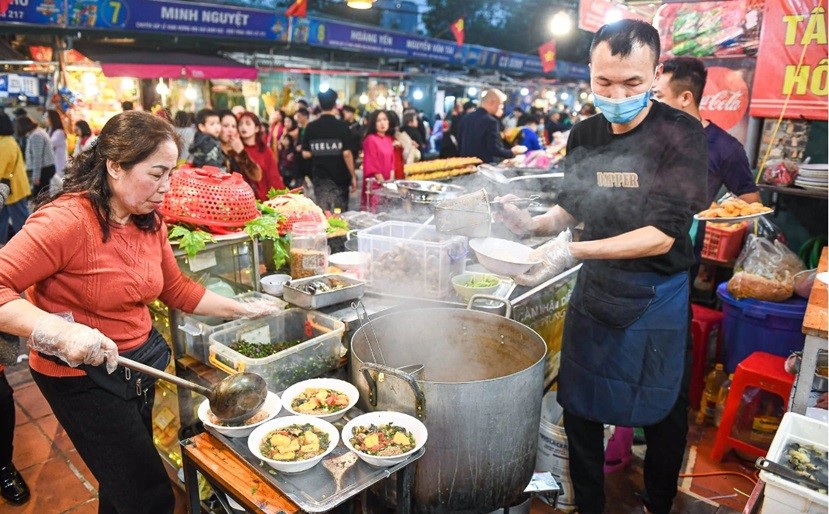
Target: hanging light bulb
(190, 92)
(564, 96)
(364, 99)
(162, 88)
(127, 84)
(417, 94)
(472, 91)
(524, 91)
(359, 4)
(324, 87)
(381, 101)
(550, 95)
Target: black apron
(624, 343)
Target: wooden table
(206, 454)
(815, 328)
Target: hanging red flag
(457, 31)
(547, 53)
(298, 9)
(4, 6)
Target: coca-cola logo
(725, 98)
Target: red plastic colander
(208, 196)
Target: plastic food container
(783, 496)
(294, 292)
(412, 259)
(197, 329)
(320, 350)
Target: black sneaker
(12, 486)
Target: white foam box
(784, 496)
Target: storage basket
(722, 243)
(210, 197)
(783, 496)
(321, 348)
(411, 259)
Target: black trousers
(330, 195)
(46, 174)
(666, 442)
(114, 438)
(7, 421)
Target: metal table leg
(405, 480)
(191, 481)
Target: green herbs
(277, 192)
(335, 224)
(482, 281)
(267, 227)
(191, 241)
(260, 351)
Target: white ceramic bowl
(464, 291)
(272, 405)
(410, 423)
(501, 256)
(272, 284)
(262, 430)
(349, 261)
(329, 383)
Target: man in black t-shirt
(634, 176)
(327, 143)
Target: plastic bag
(765, 270)
(780, 172)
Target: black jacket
(480, 136)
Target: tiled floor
(61, 483)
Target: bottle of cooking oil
(708, 404)
(721, 399)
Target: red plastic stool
(762, 370)
(703, 324)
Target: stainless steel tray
(340, 476)
(293, 292)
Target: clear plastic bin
(411, 259)
(320, 351)
(197, 329)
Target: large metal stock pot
(479, 394)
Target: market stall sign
(726, 94)
(592, 14)
(785, 84)
(186, 18)
(34, 12)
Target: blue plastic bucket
(757, 326)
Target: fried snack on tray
(441, 168)
(732, 208)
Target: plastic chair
(761, 370)
(704, 322)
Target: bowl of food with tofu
(384, 438)
(323, 398)
(292, 444)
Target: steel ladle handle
(162, 375)
(420, 399)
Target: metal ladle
(232, 400)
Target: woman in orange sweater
(102, 257)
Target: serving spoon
(233, 399)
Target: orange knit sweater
(61, 261)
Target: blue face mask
(622, 110)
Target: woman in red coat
(253, 137)
(378, 157)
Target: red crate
(723, 243)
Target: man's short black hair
(348, 108)
(6, 125)
(469, 105)
(203, 114)
(687, 74)
(20, 111)
(624, 34)
(327, 99)
(303, 111)
(126, 105)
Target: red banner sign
(789, 26)
(595, 13)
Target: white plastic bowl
(410, 423)
(262, 430)
(329, 383)
(464, 291)
(503, 257)
(272, 405)
(272, 284)
(349, 261)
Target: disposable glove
(555, 257)
(258, 307)
(73, 343)
(518, 221)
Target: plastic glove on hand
(518, 221)
(555, 257)
(259, 307)
(73, 343)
